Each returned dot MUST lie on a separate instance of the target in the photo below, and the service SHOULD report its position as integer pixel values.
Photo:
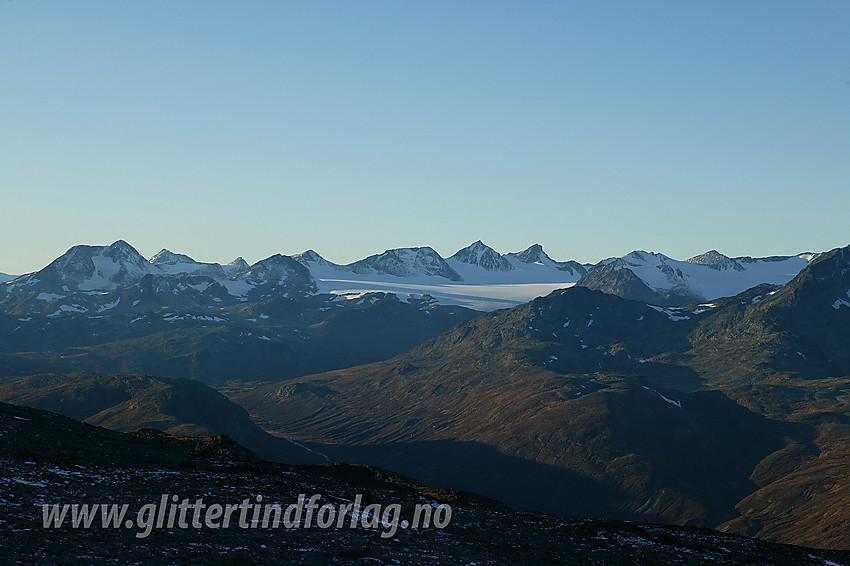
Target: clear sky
(250, 128)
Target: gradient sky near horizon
(219, 129)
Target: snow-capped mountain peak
(236, 266)
(95, 268)
(533, 254)
(275, 275)
(406, 262)
(640, 257)
(657, 270)
(716, 260)
(176, 264)
(480, 254)
(310, 258)
(167, 257)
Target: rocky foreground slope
(51, 459)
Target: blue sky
(220, 129)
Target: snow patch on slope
(673, 314)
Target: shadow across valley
(482, 469)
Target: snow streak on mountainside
(655, 278)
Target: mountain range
(709, 392)
(107, 309)
(476, 276)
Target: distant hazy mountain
(406, 262)
(278, 275)
(483, 256)
(476, 276)
(413, 264)
(312, 260)
(171, 263)
(87, 268)
(535, 255)
(166, 257)
(81, 277)
(716, 260)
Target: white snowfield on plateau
(475, 296)
(479, 288)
